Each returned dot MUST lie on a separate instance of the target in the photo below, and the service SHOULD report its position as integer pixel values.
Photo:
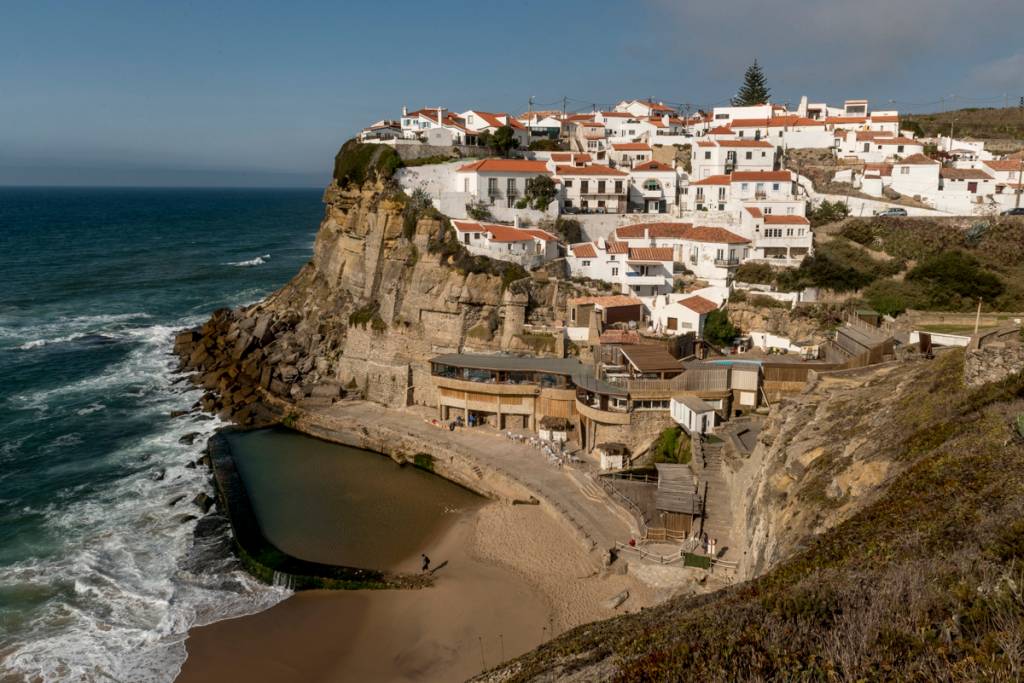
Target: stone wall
(993, 362)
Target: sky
(258, 93)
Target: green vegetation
(428, 161)
(540, 191)
(502, 141)
(718, 329)
(988, 123)
(445, 244)
(755, 88)
(756, 273)
(545, 145)
(569, 229)
(672, 446)
(922, 583)
(418, 205)
(479, 211)
(368, 314)
(424, 461)
(827, 212)
(357, 162)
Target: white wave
(258, 261)
(91, 408)
(122, 603)
(66, 329)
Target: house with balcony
(529, 247)
(628, 154)
(504, 391)
(639, 272)
(484, 121)
(591, 137)
(621, 126)
(722, 157)
(653, 188)
(589, 316)
(384, 129)
(498, 182)
(593, 189)
(710, 253)
(779, 239)
(876, 146)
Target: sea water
(98, 578)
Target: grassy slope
(983, 124)
(924, 584)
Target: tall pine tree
(754, 89)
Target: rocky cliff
(387, 288)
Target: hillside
(922, 583)
(1003, 126)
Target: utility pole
(977, 317)
(1020, 178)
(564, 99)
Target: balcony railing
(727, 262)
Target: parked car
(1019, 211)
(891, 212)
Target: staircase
(718, 519)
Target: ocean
(97, 573)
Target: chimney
(405, 110)
(515, 220)
(440, 115)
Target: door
(972, 188)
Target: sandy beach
(513, 574)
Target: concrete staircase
(718, 517)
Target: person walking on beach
(426, 563)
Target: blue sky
(263, 93)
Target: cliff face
(379, 298)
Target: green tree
(504, 140)
(754, 90)
(540, 191)
(718, 329)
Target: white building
(628, 154)
(499, 182)
(640, 272)
(676, 314)
(384, 129)
(783, 240)
(710, 253)
(653, 188)
(529, 247)
(693, 414)
(593, 189)
(721, 157)
(484, 121)
(876, 147)
(644, 108)
(915, 176)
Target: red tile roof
(570, 156)
(916, 159)
(897, 141)
(653, 166)
(715, 235)
(639, 230)
(631, 147)
(762, 176)
(506, 166)
(887, 118)
(699, 304)
(964, 174)
(650, 254)
(613, 247)
(776, 219)
(504, 233)
(1003, 164)
(754, 211)
(846, 119)
(721, 130)
(597, 170)
(583, 250)
(713, 180)
(609, 301)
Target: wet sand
(434, 634)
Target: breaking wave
(258, 261)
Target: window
(600, 204)
(719, 254)
(510, 186)
(615, 272)
(775, 187)
(904, 170)
(600, 186)
(672, 324)
(618, 187)
(584, 186)
(721, 193)
(899, 149)
(572, 314)
(492, 186)
(585, 264)
(611, 257)
(568, 203)
(568, 183)
(750, 155)
(790, 210)
(707, 155)
(651, 184)
(744, 186)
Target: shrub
(955, 279)
(357, 162)
(479, 211)
(428, 161)
(570, 229)
(892, 297)
(758, 273)
(545, 145)
(718, 329)
(827, 212)
(368, 314)
(540, 191)
(419, 204)
(672, 446)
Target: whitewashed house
(710, 253)
(498, 182)
(640, 272)
(593, 189)
(378, 131)
(529, 247)
(628, 154)
(653, 188)
(1007, 171)
(480, 121)
(783, 240)
(726, 115)
(876, 147)
(645, 108)
(964, 191)
(916, 176)
(676, 314)
(621, 126)
(721, 157)
(590, 136)
(693, 414)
